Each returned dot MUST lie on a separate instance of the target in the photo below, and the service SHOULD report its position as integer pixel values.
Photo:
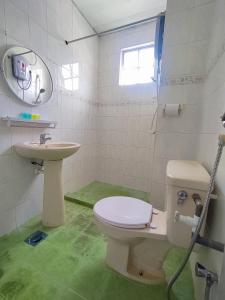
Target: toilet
(139, 236)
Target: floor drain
(35, 238)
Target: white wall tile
(38, 38)
(7, 221)
(2, 16)
(181, 20)
(124, 121)
(38, 12)
(178, 5)
(201, 22)
(6, 141)
(22, 5)
(158, 195)
(13, 14)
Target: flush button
(181, 197)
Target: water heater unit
(21, 68)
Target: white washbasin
(52, 154)
(49, 151)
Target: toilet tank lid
(187, 174)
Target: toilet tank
(183, 179)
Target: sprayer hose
(201, 220)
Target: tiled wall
(212, 107)
(125, 140)
(43, 26)
(193, 74)
(183, 71)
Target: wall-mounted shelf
(17, 122)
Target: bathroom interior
(112, 171)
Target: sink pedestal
(53, 202)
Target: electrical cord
(28, 86)
(29, 82)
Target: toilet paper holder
(172, 110)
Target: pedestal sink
(52, 154)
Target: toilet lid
(124, 212)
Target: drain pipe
(196, 233)
(38, 167)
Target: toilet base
(120, 258)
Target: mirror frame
(7, 81)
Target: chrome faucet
(43, 138)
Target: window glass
(70, 77)
(130, 59)
(137, 65)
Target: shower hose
(201, 219)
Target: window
(70, 77)
(137, 65)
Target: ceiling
(107, 14)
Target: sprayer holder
(210, 276)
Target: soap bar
(25, 115)
(35, 116)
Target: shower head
(38, 100)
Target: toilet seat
(124, 212)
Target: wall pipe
(116, 29)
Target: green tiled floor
(69, 265)
(96, 190)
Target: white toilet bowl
(139, 236)
(132, 226)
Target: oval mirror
(27, 75)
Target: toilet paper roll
(172, 110)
